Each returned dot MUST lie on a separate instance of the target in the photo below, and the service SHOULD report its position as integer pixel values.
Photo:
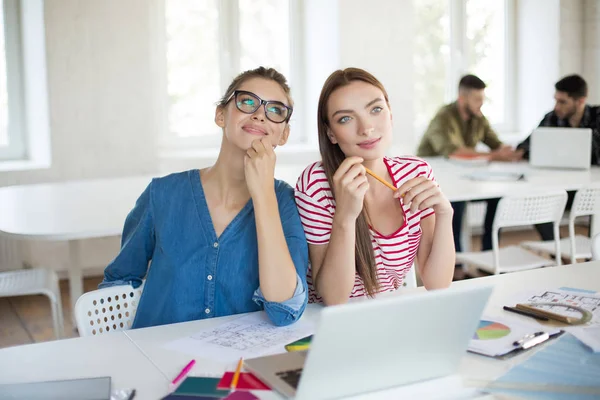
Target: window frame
(458, 60)
(17, 134)
(229, 66)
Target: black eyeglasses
(248, 103)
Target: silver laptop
(561, 148)
(377, 344)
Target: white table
(453, 181)
(585, 276)
(71, 212)
(79, 210)
(456, 187)
(137, 359)
(111, 355)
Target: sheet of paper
(565, 369)
(589, 333)
(587, 301)
(495, 336)
(249, 336)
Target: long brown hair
(332, 156)
(260, 72)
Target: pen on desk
(183, 372)
(526, 313)
(236, 376)
(527, 337)
(538, 337)
(386, 183)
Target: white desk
(71, 212)
(111, 355)
(137, 359)
(456, 187)
(585, 276)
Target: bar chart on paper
(488, 330)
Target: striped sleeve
(315, 204)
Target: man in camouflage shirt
(456, 130)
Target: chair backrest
(586, 202)
(596, 248)
(529, 209)
(410, 279)
(107, 310)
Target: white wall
(571, 37)
(378, 38)
(100, 90)
(538, 67)
(591, 48)
(101, 100)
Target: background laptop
(376, 344)
(561, 148)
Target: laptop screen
(75, 389)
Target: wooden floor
(27, 319)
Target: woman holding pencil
(369, 217)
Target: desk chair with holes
(107, 310)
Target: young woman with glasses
(363, 237)
(225, 239)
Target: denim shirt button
(207, 311)
(209, 277)
(216, 244)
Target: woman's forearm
(335, 277)
(277, 273)
(439, 268)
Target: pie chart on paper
(489, 330)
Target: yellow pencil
(386, 183)
(236, 376)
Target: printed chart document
(496, 336)
(249, 336)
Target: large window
(208, 42)
(455, 37)
(12, 136)
(3, 91)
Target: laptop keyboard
(291, 377)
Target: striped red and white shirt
(394, 254)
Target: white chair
(586, 202)
(596, 248)
(410, 279)
(107, 310)
(518, 211)
(35, 281)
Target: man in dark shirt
(570, 111)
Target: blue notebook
(566, 363)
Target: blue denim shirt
(193, 274)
